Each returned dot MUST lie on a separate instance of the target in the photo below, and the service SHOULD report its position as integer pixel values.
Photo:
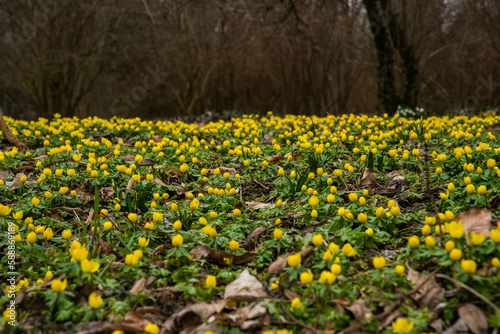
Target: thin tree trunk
(13, 140)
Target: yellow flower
(107, 225)
(336, 268)
(306, 277)
(294, 260)
(426, 230)
(158, 217)
(402, 326)
(89, 266)
(66, 234)
(362, 218)
(439, 170)
(455, 254)
(211, 281)
(327, 277)
(395, 210)
(449, 245)
(58, 286)
(143, 242)
(470, 189)
(495, 262)
(177, 241)
(327, 256)
(63, 190)
(78, 253)
(455, 229)
(296, 303)
(348, 251)
(379, 262)
(48, 234)
(353, 197)
(468, 266)
(279, 203)
(48, 275)
(9, 316)
(132, 217)
(495, 235)
(131, 259)
(317, 240)
(234, 245)
(4, 210)
(31, 238)
(481, 190)
(149, 226)
(95, 300)
(313, 201)
(278, 233)
(400, 270)
(152, 328)
(430, 242)
(476, 238)
(138, 254)
(414, 242)
(194, 204)
(18, 215)
(177, 225)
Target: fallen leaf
(458, 327)
(368, 177)
(159, 181)
(4, 174)
(246, 287)
(220, 256)
(359, 309)
(253, 237)
(191, 316)
(291, 295)
(17, 180)
(475, 319)
(24, 167)
(476, 220)
(136, 319)
(259, 205)
(138, 286)
(429, 292)
(275, 158)
(43, 156)
(279, 265)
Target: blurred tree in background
(158, 58)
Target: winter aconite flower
(95, 300)
(400, 270)
(468, 266)
(306, 277)
(143, 242)
(476, 238)
(294, 260)
(455, 229)
(58, 285)
(327, 277)
(177, 241)
(132, 217)
(348, 251)
(31, 238)
(278, 233)
(414, 242)
(131, 259)
(317, 240)
(402, 326)
(89, 266)
(379, 262)
(234, 245)
(210, 281)
(296, 303)
(152, 328)
(4, 210)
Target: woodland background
(160, 58)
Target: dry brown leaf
(359, 309)
(130, 184)
(291, 295)
(476, 220)
(475, 319)
(458, 327)
(279, 265)
(139, 285)
(220, 256)
(191, 316)
(368, 177)
(65, 209)
(17, 180)
(4, 174)
(136, 319)
(253, 237)
(43, 156)
(259, 205)
(275, 158)
(426, 285)
(246, 287)
(159, 181)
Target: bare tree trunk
(13, 140)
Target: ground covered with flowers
(259, 224)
